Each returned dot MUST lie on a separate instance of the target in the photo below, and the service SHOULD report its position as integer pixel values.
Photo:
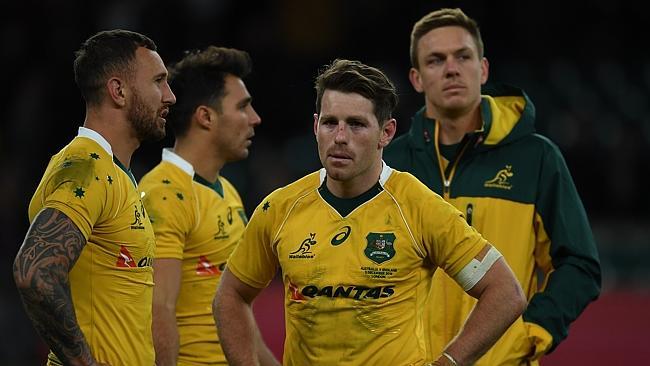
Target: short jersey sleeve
(254, 261)
(76, 185)
(449, 240)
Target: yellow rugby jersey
(355, 283)
(112, 281)
(199, 224)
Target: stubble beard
(144, 120)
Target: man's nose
(341, 134)
(168, 95)
(451, 67)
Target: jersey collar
(169, 156)
(386, 171)
(95, 136)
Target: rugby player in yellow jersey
(357, 244)
(197, 215)
(84, 270)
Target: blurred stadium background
(585, 66)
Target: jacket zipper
(446, 180)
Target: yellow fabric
(112, 281)
(540, 338)
(510, 230)
(195, 224)
(506, 110)
(354, 286)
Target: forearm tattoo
(51, 247)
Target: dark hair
(354, 77)
(199, 79)
(103, 55)
(443, 18)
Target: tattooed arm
(52, 246)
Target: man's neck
(453, 128)
(117, 131)
(206, 164)
(357, 185)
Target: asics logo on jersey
(500, 180)
(339, 238)
(304, 251)
(125, 259)
(356, 292)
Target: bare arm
(238, 332)
(167, 279)
(52, 246)
(264, 354)
(500, 302)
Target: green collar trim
(216, 186)
(126, 170)
(346, 205)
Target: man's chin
(336, 173)
(454, 108)
(153, 136)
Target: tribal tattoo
(51, 247)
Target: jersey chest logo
(380, 247)
(304, 250)
(339, 238)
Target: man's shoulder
(284, 198)
(398, 152)
(400, 143)
(536, 142)
(406, 186)
(85, 149)
(80, 161)
(166, 176)
(298, 188)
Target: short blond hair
(443, 18)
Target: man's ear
(315, 123)
(388, 132)
(205, 117)
(117, 91)
(485, 70)
(416, 80)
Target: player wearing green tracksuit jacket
(479, 150)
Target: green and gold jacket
(514, 187)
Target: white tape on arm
(475, 270)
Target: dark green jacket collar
(516, 119)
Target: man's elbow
(518, 299)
